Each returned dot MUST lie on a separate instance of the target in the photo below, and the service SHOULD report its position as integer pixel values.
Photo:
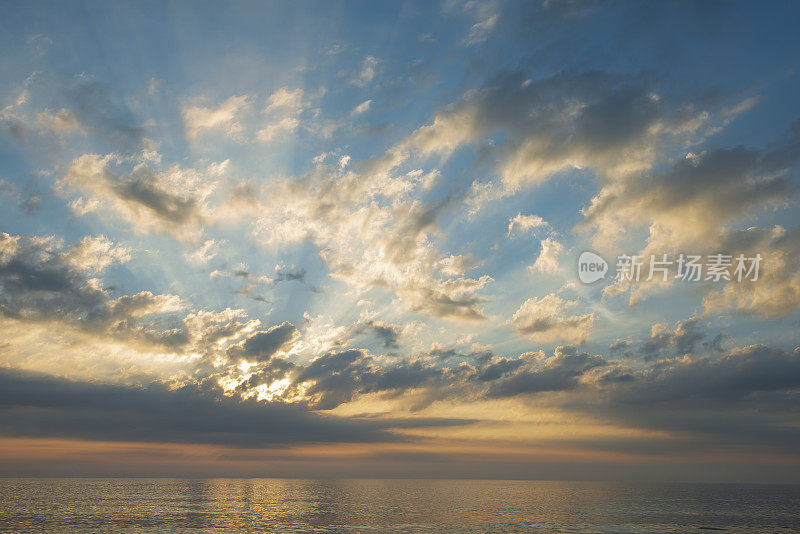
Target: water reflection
(397, 506)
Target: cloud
(706, 398)
(289, 274)
(36, 405)
(525, 223)
(388, 333)
(547, 262)
(458, 265)
(97, 110)
(172, 201)
(362, 107)
(373, 232)
(453, 298)
(95, 254)
(535, 373)
(262, 345)
(284, 110)
(206, 252)
(682, 339)
(480, 31)
(545, 320)
(374, 194)
(200, 119)
(609, 123)
(689, 204)
(286, 100)
(367, 72)
(88, 108)
(251, 281)
(42, 280)
(485, 13)
(62, 122)
(695, 205)
(776, 292)
(736, 375)
(140, 304)
(338, 377)
(282, 126)
(39, 280)
(686, 337)
(45, 285)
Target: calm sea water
(389, 506)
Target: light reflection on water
(389, 506)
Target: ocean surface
(389, 506)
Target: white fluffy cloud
(546, 320)
(204, 253)
(373, 232)
(224, 117)
(547, 262)
(524, 223)
(95, 254)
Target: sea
(89, 505)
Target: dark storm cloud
(682, 339)
(534, 374)
(340, 377)
(36, 282)
(262, 345)
(621, 349)
(499, 368)
(746, 397)
(754, 372)
(141, 190)
(335, 378)
(38, 405)
(388, 333)
(690, 336)
(42, 281)
(43, 406)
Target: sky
(327, 239)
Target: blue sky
(372, 212)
